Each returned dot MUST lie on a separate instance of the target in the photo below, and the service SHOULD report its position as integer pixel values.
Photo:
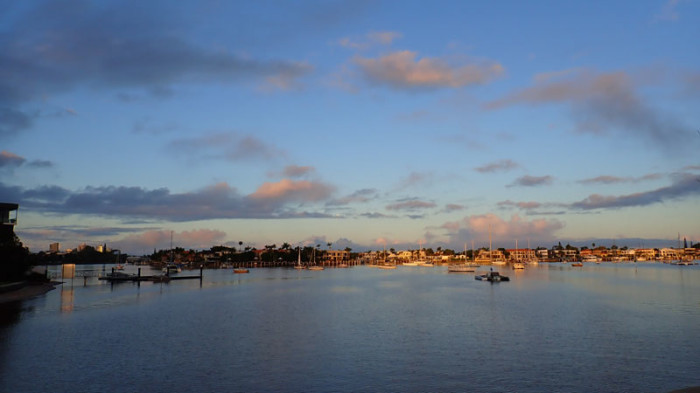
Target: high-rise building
(54, 247)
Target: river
(606, 327)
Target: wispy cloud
(359, 196)
(498, 166)
(411, 205)
(8, 159)
(607, 179)
(401, 70)
(669, 12)
(414, 179)
(521, 205)
(684, 185)
(12, 160)
(600, 103)
(229, 146)
(532, 181)
(297, 171)
(52, 48)
(371, 39)
(453, 207)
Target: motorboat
(492, 277)
(241, 270)
(172, 268)
(518, 265)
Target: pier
(123, 277)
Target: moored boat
(241, 270)
(491, 277)
(461, 269)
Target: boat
(241, 270)
(465, 267)
(314, 266)
(577, 264)
(491, 277)
(172, 268)
(387, 267)
(412, 263)
(299, 266)
(161, 278)
(461, 269)
(518, 265)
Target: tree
(14, 257)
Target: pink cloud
(197, 239)
(285, 189)
(477, 227)
(402, 70)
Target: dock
(124, 277)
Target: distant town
(286, 254)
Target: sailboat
(314, 266)
(423, 262)
(517, 265)
(171, 267)
(299, 266)
(384, 265)
(462, 268)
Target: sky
(363, 124)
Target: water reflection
(66, 298)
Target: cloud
(219, 201)
(532, 181)
(289, 190)
(478, 227)
(8, 159)
(401, 70)
(371, 39)
(607, 179)
(54, 47)
(230, 146)
(600, 103)
(359, 196)
(414, 179)
(684, 185)
(194, 239)
(411, 205)
(669, 12)
(453, 207)
(297, 171)
(521, 205)
(12, 120)
(498, 166)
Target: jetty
(115, 276)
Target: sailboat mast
(490, 250)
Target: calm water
(553, 328)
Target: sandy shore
(27, 291)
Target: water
(600, 328)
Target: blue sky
(356, 123)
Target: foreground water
(553, 328)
